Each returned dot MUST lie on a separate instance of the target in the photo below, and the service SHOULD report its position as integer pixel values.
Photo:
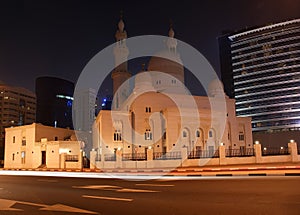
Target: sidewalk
(271, 169)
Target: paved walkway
(271, 169)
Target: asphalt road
(216, 195)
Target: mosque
(160, 114)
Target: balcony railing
(98, 157)
(110, 157)
(167, 156)
(134, 156)
(239, 152)
(198, 154)
(72, 158)
(275, 151)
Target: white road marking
(127, 190)
(47, 180)
(98, 187)
(114, 188)
(156, 185)
(108, 198)
(65, 208)
(6, 205)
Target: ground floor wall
(184, 160)
(276, 139)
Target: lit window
(23, 157)
(117, 135)
(148, 134)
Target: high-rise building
(54, 102)
(261, 69)
(17, 107)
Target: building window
(55, 138)
(148, 134)
(117, 135)
(210, 133)
(173, 81)
(14, 139)
(241, 136)
(148, 109)
(13, 156)
(23, 157)
(184, 134)
(164, 136)
(23, 141)
(197, 133)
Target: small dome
(143, 82)
(216, 88)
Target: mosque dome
(143, 82)
(169, 63)
(168, 60)
(216, 88)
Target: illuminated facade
(39, 146)
(261, 70)
(148, 118)
(17, 107)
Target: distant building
(17, 107)
(39, 146)
(54, 102)
(261, 70)
(106, 103)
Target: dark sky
(58, 38)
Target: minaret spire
(172, 42)
(120, 73)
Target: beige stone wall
(33, 149)
(165, 115)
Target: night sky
(58, 38)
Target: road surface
(192, 196)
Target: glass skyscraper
(261, 70)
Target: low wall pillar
(118, 158)
(257, 151)
(93, 155)
(222, 155)
(293, 150)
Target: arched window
(117, 136)
(184, 134)
(148, 134)
(198, 133)
(211, 133)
